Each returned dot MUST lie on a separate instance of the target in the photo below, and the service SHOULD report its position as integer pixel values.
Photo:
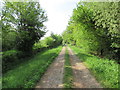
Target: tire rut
(53, 77)
(81, 75)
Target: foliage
(53, 41)
(68, 36)
(94, 27)
(49, 42)
(39, 46)
(68, 77)
(10, 59)
(106, 16)
(106, 71)
(24, 21)
(79, 31)
(8, 40)
(57, 40)
(27, 74)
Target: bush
(39, 46)
(9, 58)
(10, 55)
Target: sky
(58, 12)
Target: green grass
(68, 77)
(27, 74)
(105, 71)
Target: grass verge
(27, 74)
(105, 71)
(68, 77)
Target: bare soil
(82, 77)
(54, 75)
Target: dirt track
(54, 75)
(53, 78)
(82, 77)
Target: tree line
(94, 27)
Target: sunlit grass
(68, 77)
(105, 71)
(26, 75)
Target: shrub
(9, 58)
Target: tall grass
(27, 74)
(105, 71)
(68, 75)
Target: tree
(94, 26)
(26, 19)
(57, 39)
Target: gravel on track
(53, 77)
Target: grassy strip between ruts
(29, 73)
(105, 71)
(68, 77)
